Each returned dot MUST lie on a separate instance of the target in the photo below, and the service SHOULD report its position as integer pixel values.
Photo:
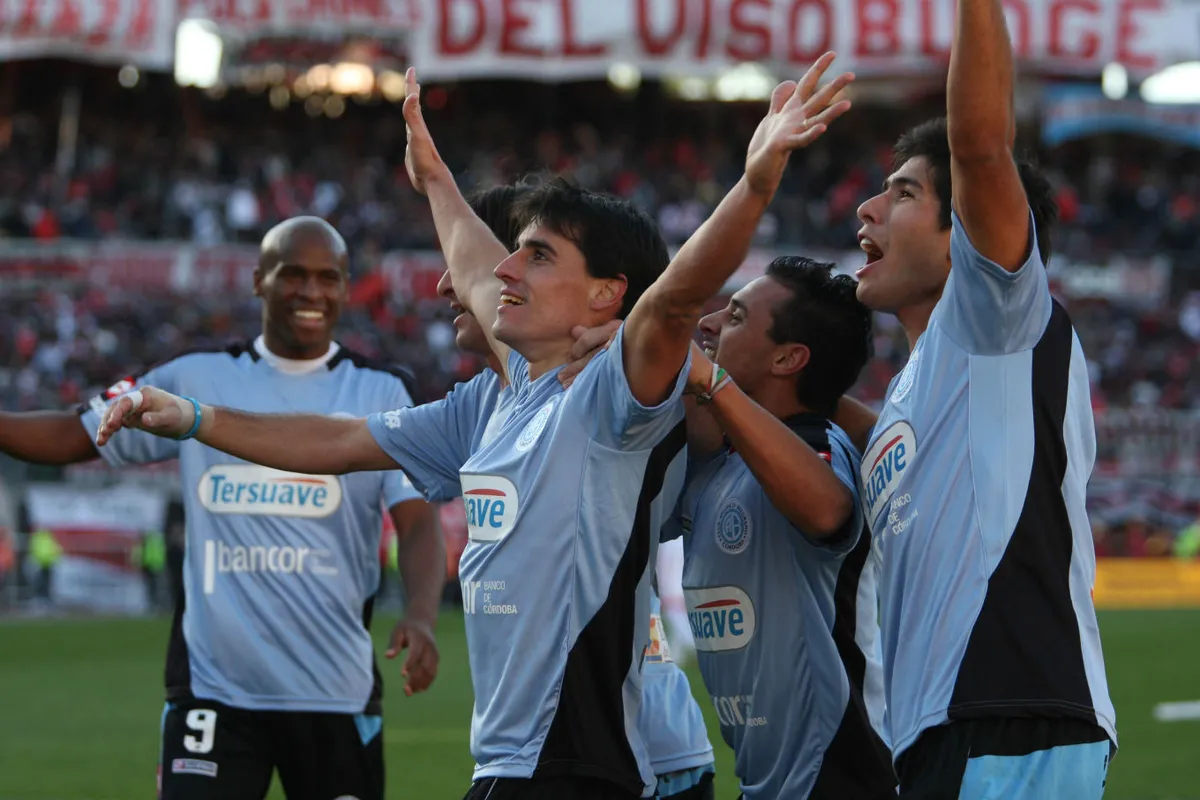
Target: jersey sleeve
(844, 460)
(130, 447)
(398, 488)
(431, 442)
(615, 417)
(988, 310)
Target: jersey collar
(293, 366)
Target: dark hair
(495, 207)
(615, 236)
(931, 141)
(823, 313)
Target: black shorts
(934, 766)
(210, 750)
(546, 789)
(704, 790)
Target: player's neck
(914, 320)
(494, 365)
(548, 357)
(779, 398)
(281, 350)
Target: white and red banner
(139, 32)
(263, 17)
(554, 40)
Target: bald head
(302, 280)
(301, 233)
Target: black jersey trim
(361, 361)
(587, 736)
(1024, 657)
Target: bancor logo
(491, 505)
(221, 558)
(722, 617)
(251, 489)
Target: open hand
(799, 114)
(421, 157)
(147, 409)
(421, 665)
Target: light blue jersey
(974, 487)
(786, 631)
(670, 720)
(280, 569)
(563, 508)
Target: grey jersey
(786, 630)
(974, 487)
(563, 509)
(280, 569)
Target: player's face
(468, 333)
(547, 292)
(738, 337)
(303, 294)
(908, 252)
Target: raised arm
(472, 251)
(660, 326)
(856, 419)
(981, 121)
(304, 443)
(797, 480)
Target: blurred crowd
(208, 171)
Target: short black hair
(825, 314)
(495, 207)
(615, 236)
(931, 141)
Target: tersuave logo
(884, 465)
(722, 618)
(491, 505)
(251, 489)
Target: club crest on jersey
(884, 466)
(491, 505)
(722, 618)
(251, 489)
(905, 381)
(733, 528)
(533, 428)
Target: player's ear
(790, 359)
(258, 281)
(608, 293)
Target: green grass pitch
(80, 702)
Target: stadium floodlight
(1114, 81)
(1178, 84)
(350, 78)
(744, 82)
(624, 77)
(198, 50)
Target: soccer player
(780, 590)
(565, 504)
(270, 664)
(975, 475)
(670, 720)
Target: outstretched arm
(856, 419)
(304, 443)
(472, 251)
(660, 326)
(46, 437)
(988, 195)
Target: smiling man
(270, 663)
